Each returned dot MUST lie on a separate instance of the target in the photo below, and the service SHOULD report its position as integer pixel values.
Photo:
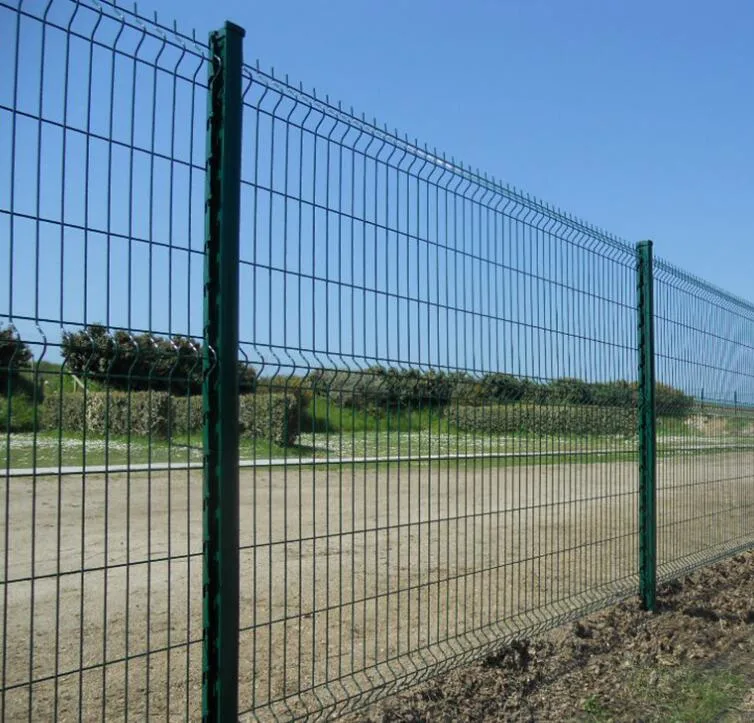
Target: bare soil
(620, 664)
(355, 581)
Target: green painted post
(220, 389)
(647, 430)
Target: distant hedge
(139, 362)
(273, 417)
(64, 411)
(544, 419)
(264, 416)
(390, 388)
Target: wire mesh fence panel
(102, 151)
(439, 387)
(705, 411)
(448, 369)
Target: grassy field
(51, 449)
(328, 431)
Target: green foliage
(615, 394)
(186, 415)
(569, 390)
(143, 414)
(273, 417)
(18, 414)
(502, 388)
(141, 362)
(64, 411)
(671, 402)
(15, 355)
(544, 419)
(386, 388)
(378, 390)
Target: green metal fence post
(220, 390)
(647, 430)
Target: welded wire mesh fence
(102, 150)
(442, 389)
(704, 342)
(447, 337)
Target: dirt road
(356, 574)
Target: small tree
(502, 388)
(569, 390)
(14, 356)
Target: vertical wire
(446, 237)
(189, 255)
(87, 172)
(339, 286)
(353, 532)
(375, 285)
(171, 199)
(365, 355)
(284, 344)
(33, 575)
(495, 367)
(270, 341)
(150, 326)
(299, 317)
(255, 336)
(129, 312)
(425, 408)
(315, 143)
(108, 319)
(59, 520)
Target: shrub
(141, 362)
(23, 414)
(671, 402)
(378, 387)
(120, 413)
(615, 394)
(498, 387)
(186, 415)
(569, 390)
(64, 411)
(275, 417)
(14, 356)
(544, 420)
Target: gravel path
(355, 574)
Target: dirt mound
(607, 666)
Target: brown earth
(352, 578)
(620, 664)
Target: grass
(332, 432)
(324, 415)
(49, 449)
(672, 695)
(54, 379)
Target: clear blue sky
(637, 116)
(633, 117)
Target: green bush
(544, 420)
(186, 415)
(671, 402)
(122, 413)
(615, 394)
(275, 417)
(23, 415)
(140, 362)
(378, 387)
(65, 412)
